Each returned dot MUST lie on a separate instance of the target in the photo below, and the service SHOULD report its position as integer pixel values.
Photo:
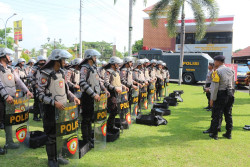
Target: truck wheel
(188, 78)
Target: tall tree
(10, 40)
(137, 46)
(173, 8)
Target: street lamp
(5, 28)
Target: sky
(101, 20)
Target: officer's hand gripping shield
(67, 144)
(100, 122)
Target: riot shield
(100, 122)
(151, 94)
(125, 117)
(143, 100)
(67, 144)
(16, 124)
(134, 104)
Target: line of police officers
(53, 86)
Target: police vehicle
(195, 65)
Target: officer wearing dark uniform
(9, 81)
(54, 93)
(222, 97)
(113, 83)
(21, 70)
(73, 75)
(34, 77)
(91, 87)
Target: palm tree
(173, 8)
(131, 3)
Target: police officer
(152, 69)
(21, 70)
(165, 73)
(91, 87)
(73, 75)
(138, 74)
(208, 83)
(30, 65)
(102, 69)
(112, 82)
(145, 70)
(9, 81)
(54, 93)
(160, 80)
(34, 76)
(222, 97)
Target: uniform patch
(61, 84)
(9, 77)
(215, 77)
(43, 80)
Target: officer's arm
(107, 78)
(70, 95)
(124, 78)
(20, 83)
(4, 94)
(136, 78)
(33, 77)
(214, 88)
(69, 76)
(84, 84)
(42, 84)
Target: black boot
(9, 140)
(227, 135)
(207, 131)
(2, 151)
(51, 152)
(35, 118)
(1, 125)
(214, 136)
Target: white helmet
(115, 60)
(159, 62)
(41, 57)
(59, 54)
(104, 63)
(31, 61)
(91, 53)
(146, 60)
(127, 59)
(6, 51)
(164, 64)
(139, 62)
(153, 61)
(20, 60)
(76, 61)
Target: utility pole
(130, 28)
(80, 33)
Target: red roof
(243, 52)
(149, 8)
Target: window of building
(210, 38)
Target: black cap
(219, 58)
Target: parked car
(242, 76)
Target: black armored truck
(195, 65)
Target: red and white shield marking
(72, 145)
(21, 134)
(73, 114)
(128, 118)
(104, 129)
(43, 80)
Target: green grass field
(179, 143)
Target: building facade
(217, 41)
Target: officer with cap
(102, 69)
(222, 97)
(54, 93)
(9, 81)
(91, 87)
(112, 82)
(21, 70)
(34, 77)
(73, 75)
